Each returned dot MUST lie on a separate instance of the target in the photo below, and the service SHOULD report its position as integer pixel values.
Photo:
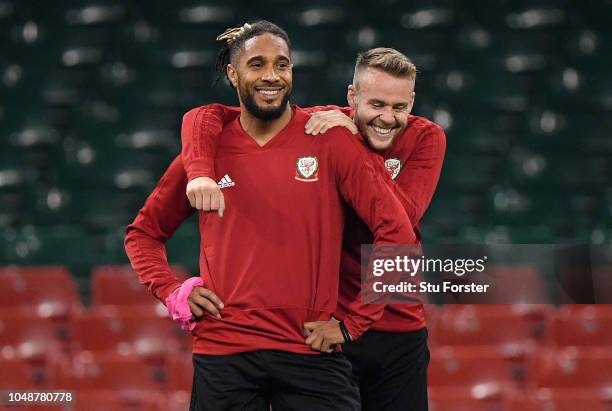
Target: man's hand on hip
(323, 335)
(202, 300)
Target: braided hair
(234, 39)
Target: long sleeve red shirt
(163, 212)
(414, 163)
(274, 257)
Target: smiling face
(262, 74)
(381, 103)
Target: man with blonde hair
(390, 359)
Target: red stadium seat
(572, 368)
(28, 336)
(16, 373)
(126, 330)
(89, 370)
(179, 400)
(569, 400)
(482, 373)
(442, 402)
(104, 400)
(179, 368)
(119, 285)
(520, 402)
(50, 291)
(582, 325)
(513, 329)
(545, 399)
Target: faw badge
(306, 169)
(393, 166)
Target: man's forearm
(198, 151)
(163, 212)
(148, 259)
(200, 135)
(364, 186)
(416, 184)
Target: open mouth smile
(381, 131)
(269, 92)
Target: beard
(264, 114)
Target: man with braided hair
(389, 360)
(273, 258)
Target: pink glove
(177, 303)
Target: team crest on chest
(394, 165)
(307, 169)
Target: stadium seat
(572, 368)
(585, 46)
(210, 14)
(546, 399)
(522, 401)
(503, 234)
(438, 216)
(488, 167)
(16, 373)
(50, 291)
(26, 335)
(440, 401)
(315, 14)
(119, 285)
(413, 16)
(90, 370)
(564, 400)
(56, 244)
(532, 16)
(179, 401)
(513, 331)
(103, 400)
(464, 89)
(179, 368)
(126, 330)
(579, 325)
(460, 370)
(95, 13)
(512, 400)
(481, 63)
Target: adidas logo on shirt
(225, 182)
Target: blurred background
(91, 99)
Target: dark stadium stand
(92, 94)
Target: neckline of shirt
(280, 137)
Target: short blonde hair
(386, 59)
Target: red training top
(274, 257)
(414, 162)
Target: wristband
(345, 333)
(178, 306)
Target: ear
(411, 103)
(232, 75)
(351, 95)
